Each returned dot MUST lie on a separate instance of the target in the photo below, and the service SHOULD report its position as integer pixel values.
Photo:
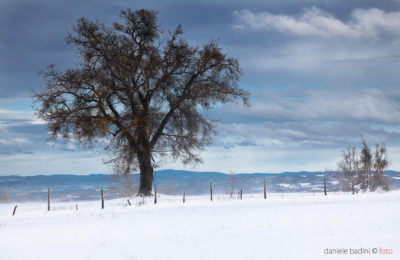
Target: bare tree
(4, 196)
(363, 171)
(380, 163)
(232, 184)
(349, 170)
(169, 188)
(364, 174)
(142, 89)
(125, 183)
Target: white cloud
(364, 24)
(51, 163)
(38, 121)
(319, 61)
(311, 120)
(14, 114)
(345, 104)
(13, 141)
(29, 116)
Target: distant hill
(86, 187)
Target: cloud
(51, 163)
(344, 104)
(22, 133)
(302, 135)
(19, 136)
(359, 48)
(15, 141)
(13, 114)
(309, 120)
(313, 22)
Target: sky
(320, 73)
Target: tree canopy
(142, 90)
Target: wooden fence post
(15, 208)
(325, 185)
(184, 197)
(102, 199)
(265, 189)
(48, 199)
(210, 191)
(155, 193)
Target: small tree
(232, 184)
(349, 170)
(365, 163)
(4, 196)
(363, 171)
(125, 183)
(169, 188)
(141, 89)
(380, 163)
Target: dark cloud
(33, 32)
(21, 136)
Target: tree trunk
(146, 174)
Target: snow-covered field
(285, 226)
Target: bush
(4, 196)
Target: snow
(285, 226)
(285, 185)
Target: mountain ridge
(66, 187)
(199, 172)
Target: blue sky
(320, 74)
